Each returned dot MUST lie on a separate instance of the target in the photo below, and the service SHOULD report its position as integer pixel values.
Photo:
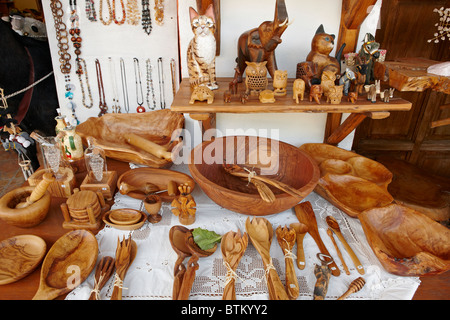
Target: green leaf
(205, 239)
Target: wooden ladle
(38, 192)
(192, 266)
(177, 236)
(286, 239)
(334, 226)
(233, 246)
(301, 230)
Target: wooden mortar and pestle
(27, 206)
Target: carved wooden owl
(256, 77)
(280, 82)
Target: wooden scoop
(177, 236)
(38, 191)
(148, 146)
(301, 230)
(105, 269)
(286, 239)
(334, 226)
(148, 188)
(305, 214)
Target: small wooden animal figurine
(346, 79)
(367, 55)
(384, 96)
(233, 85)
(373, 93)
(227, 96)
(360, 79)
(244, 98)
(352, 96)
(327, 82)
(202, 93)
(335, 94)
(315, 93)
(267, 96)
(321, 46)
(184, 205)
(391, 92)
(306, 71)
(299, 90)
(256, 77)
(280, 82)
(201, 53)
(259, 44)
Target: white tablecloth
(151, 274)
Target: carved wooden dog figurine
(259, 44)
(315, 93)
(299, 89)
(335, 94)
(352, 96)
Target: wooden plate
(160, 177)
(125, 216)
(134, 226)
(19, 256)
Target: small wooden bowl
(125, 216)
(27, 217)
(406, 241)
(126, 227)
(283, 162)
(152, 204)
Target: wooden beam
(352, 121)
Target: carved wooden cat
(201, 53)
(321, 46)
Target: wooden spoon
(104, 271)
(233, 246)
(260, 232)
(301, 230)
(177, 236)
(125, 188)
(339, 253)
(286, 239)
(125, 254)
(334, 225)
(305, 214)
(192, 266)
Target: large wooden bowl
(26, 217)
(108, 133)
(284, 163)
(407, 242)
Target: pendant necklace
(83, 70)
(101, 91)
(90, 11)
(137, 77)
(146, 17)
(116, 104)
(123, 76)
(150, 86)
(161, 83)
(110, 14)
(119, 22)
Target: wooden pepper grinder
(184, 205)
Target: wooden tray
(156, 126)
(160, 177)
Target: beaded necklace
(146, 17)
(90, 11)
(122, 21)
(150, 86)
(137, 76)
(123, 76)
(110, 13)
(159, 12)
(133, 12)
(83, 69)
(116, 105)
(101, 91)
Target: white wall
(238, 16)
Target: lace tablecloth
(151, 274)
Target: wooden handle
(117, 293)
(300, 253)
(172, 188)
(40, 189)
(352, 254)
(330, 233)
(148, 146)
(178, 281)
(229, 292)
(292, 287)
(355, 286)
(188, 279)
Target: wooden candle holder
(62, 187)
(107, 186)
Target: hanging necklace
(150, 86)
(137, 77)
(174, 76)
(116, 105)
(110, 13)
(101, 91)
(75, 32)
(146, 17)
(159, 12)
(161, 83)
(123, 76)
(119, 22)
(133, 12)
(83, 70)
(90, 11)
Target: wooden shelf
(335, 131)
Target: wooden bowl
(407, 242)
(283, 162)
(160, 177)
(126, 227)
(125, 216)
(323, 151)
(26, 217)
(352, 194)
(152, 204)
(19, 256)
(108, 133)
